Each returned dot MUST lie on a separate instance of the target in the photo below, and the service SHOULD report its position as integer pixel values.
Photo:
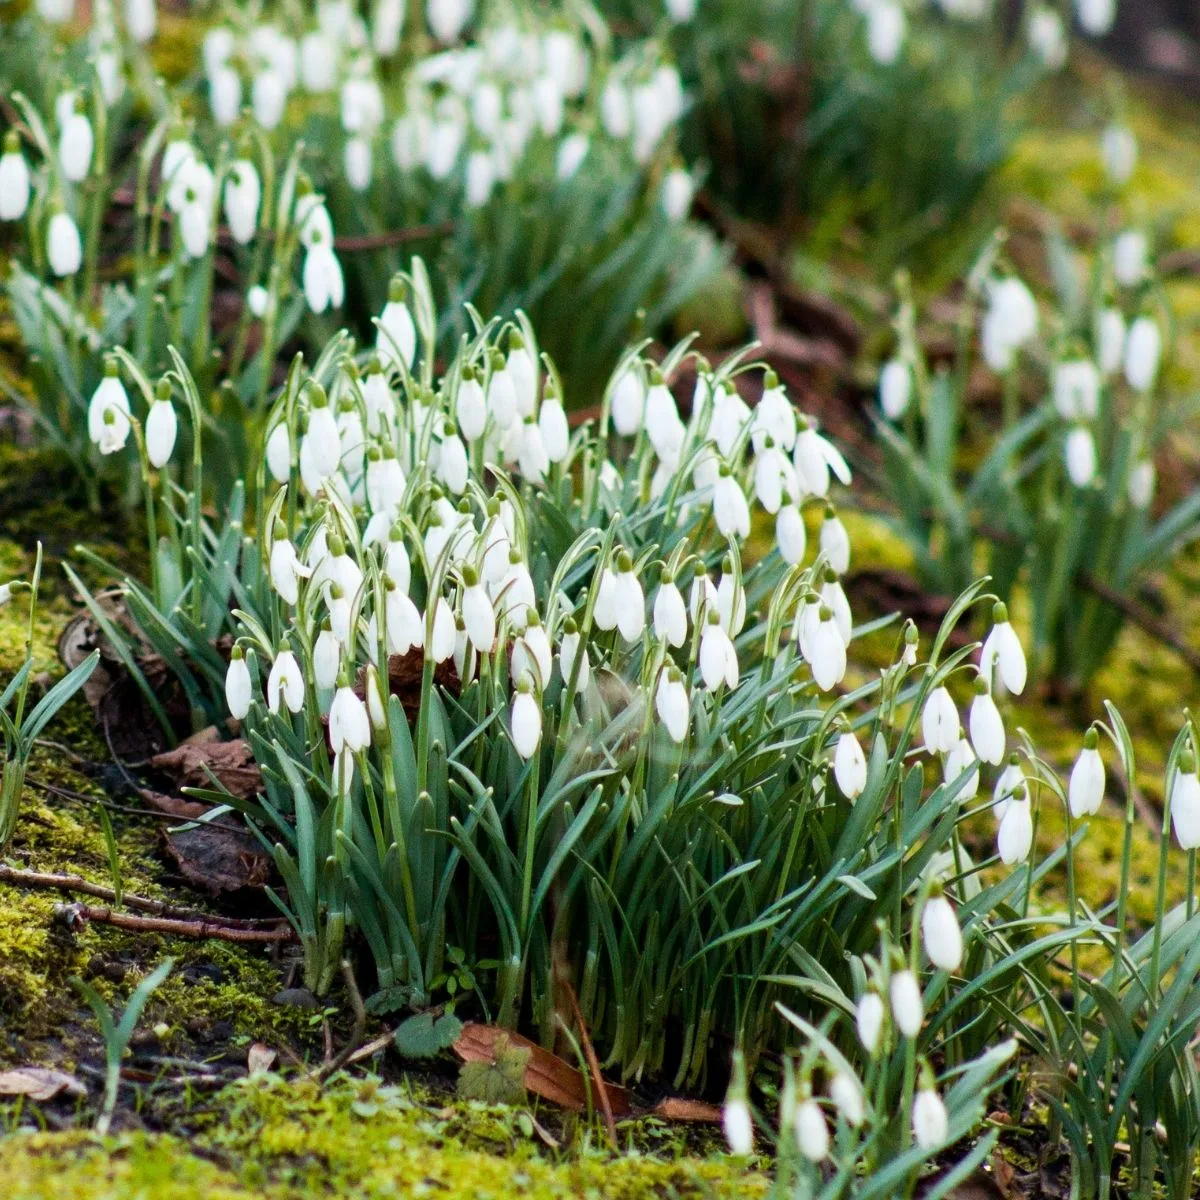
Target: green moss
(287, 1138)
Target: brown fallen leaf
(260, 1058)
(39, 1083)
(196, 763)
(218, 857)
(680, 1108)
(546, 1074)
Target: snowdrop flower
(285, 682)
(243, 192)
(671, 702)
(162, 427)
(327, 659)
(1011, 320)
(531, 653)
(730, 601)
(268, 96)
(452, 467)
(730, 510)
(532, 459)
(14, 179)
(1079, 454)
(349, 725)
(676, 196)
(835, 542)
(479, 615)
(895, 389)
(908, 1009)
(815, 457)
(447, 18)
(469, 406)
(670, 613)
(322, 434)
(224, 94)
(358, 163)
(941, 933)
(847, 1095)
(324, 285)
(811, 1130)
(1011, 781)
(63, 247)
(1185, 803)
(516, 595)
(1142, 351)
(1141, 483)
(57, 12)
(257, 299)
(736, 1120)
(552, 422)
(1014, 839)
(939, 722)
(850, 766)
(387, 27)
(141, 19)
(279, 453)
(75, 140)
(930, 1122)
(1076, 390)
(1130, 257)
(791, 535)
(1118, 146)
(572, 150)
(1096, 16)
(1047, 37)
(718, 658)
(828, 658)
(886, 26)
(986, 725)
(569, 653)
(959, 762)
(1085, 789)
(191, 196)
(405, 626)
(628, 402)
(628, 602)
(237, 685)
(1002, 654)
(526, 721)
(108, 412)
(869, 1016)
(480, 178)
(615, 111)
(285, 567)
(444, 635)
(1110, 340)
(681, 11)
(396, 340)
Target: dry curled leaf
(260, 1058)
(546, 1074)
(196, 763)
(680, 1108)
(39, 1083)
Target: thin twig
(382, 1042)
(593, 1063)
(76, 915)
(360, 1024)
(159, 908)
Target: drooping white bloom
(1002, 654)
(1010, 782)
(1185, 805)
(1085, 790)
(930, 1123)
(1011, 320)
(237, 685)
(349, 725)
(445, 631)
(287, 570)
(738, 1126)
(1118, 147)
(791, 535)
(1110, 339)
(628, 401)
(939, 722)
(941, 933)
(1142, 351)
(908, 1009)
(15, 184)
(108, 412)
(286, 682)
(1096, 16)
(58, 12)
(141, 19)
(480, 178)
(1048, 37)
(526, 721)
(681, 11)
(1141, 483)
(677, 191)
(671, 702)
(869, 1016)
(268, 97)
(718, 657)
(886, 27)
(324, 285)
(479, 615)
(811, 1130)
(828, 657)
(224, 94)
(572, 150)
(327, 659)
(447, 18)
(895, 389)
(1079, 454)
(569, 652)
(987, 726)
(322, 434)
(1130, 257)
(452, 467)
(1014, 839)
(835, 542)
(556, 434)
(850, 766)
(1077, 390)
(815, 457)
(847, 1095)
(63, 246)
(243, 193)
(162, 427)
(387, 27)
(670, 613)
(730, 510)
(75, 142)
(959, 762)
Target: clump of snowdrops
(1062, 498)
